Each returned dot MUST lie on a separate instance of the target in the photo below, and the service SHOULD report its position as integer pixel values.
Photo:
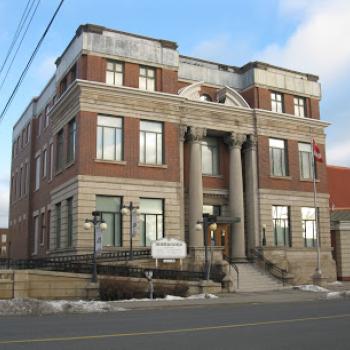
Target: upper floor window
(305, 160)
(278, 157)
(151, 142)
(147, 79)
(309, 226)
(44, 162)
(114, 73)
(37, 172)
(276, 102)
(280, 220)
(70, 222)
(210, 156)
(72, 135)
(299, 106)
(59, 150)
(58, 225)
(28, 133)
(205, 97)
(109, 138)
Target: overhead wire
(19, 45)
(17, 33)
(25, 70)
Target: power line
(17, 33)
(9, 101)
(19, 46)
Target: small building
(127, 118)
(339, 189)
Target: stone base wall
(301, 263)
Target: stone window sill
(161, 166)
(309, 180)
(117, 162)
(213, 176)
(281, 177)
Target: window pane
(108, 143)
(275, 143)
(99, 143)
(118, 78)
(117, 230)
(308, 213)
(110, 65)
(151, 206)
(150, 72)
(142, 147)
(160, 226)
(304, 147)
(151, 148)
(151, 86)
(143, 71)
(111, 204)
(110, 121)
(159, 148)
(118, 144)
(108, 235)
(151, 126)
(207, 160)
(110, 77)
(151, 229)
(142, 83)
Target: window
(21, 182)
(147, 79)
(309, 226)
(47, 119)
(36, 234)
(110, 208)
(72, 135)
(151, 142)
(69, 222)
(278, 158)
(114, 73)
(3, 250)
(44, 162)
(58, 225)
(205, 97)
(51, 161)
(28, 133)
(276, 102)
(37, 173)
(210, 156)
(25, 179)
(3, 238)
(299, 106)
(212, 210)
(109, 138)
(280, 220)
(305, 160)
(151, 224)
(59, 151)
(43, 227)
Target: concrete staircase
(254, 279)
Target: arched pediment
(226, 95)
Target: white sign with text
(168, 249)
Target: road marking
(171, 331)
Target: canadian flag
(317, 152)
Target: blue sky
(306, 35)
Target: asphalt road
(312, 325)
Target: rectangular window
(276, 102)
(37, 173)
(25, 179)
(3, 238)
(278, 157)
(51, 161)
(212, 209)
(151, 142)
(44, 162)
(70, 222)
(147, 79)
(72, 135)
(151, 220)
(280, 220)
(47, 119)
(210, 156)
(43, 227)
(299, 106)
(309, 226)
(36, 234)
(59, 151)
(109, 138)
(58, 225)
(305, 160)
(110, 208)
(115, 73)
(21, 182)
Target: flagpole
(318, 273)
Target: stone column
(195, 187)
(236, 203)
(251, 193)
(182, 136)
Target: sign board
(133, 223)
(98, 239)
(168, 249)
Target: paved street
(298, 325)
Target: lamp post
(208, 221)
(129, 209)
(96, 220)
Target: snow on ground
(45, 307)
(338, 295)
(311, 288)
(335, 283)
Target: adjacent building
(126, 118)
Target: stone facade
(194, 101)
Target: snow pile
(338, 295)
(42, 307)
(311, 288)
(335, 283)
(191, 297)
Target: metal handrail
(271, 267)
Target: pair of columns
(236, 196)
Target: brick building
(4, 242)
(127, 118)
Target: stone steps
(252, 279)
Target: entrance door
(220, 237)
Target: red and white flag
(317, 152)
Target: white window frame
(37, 172)
(274, 146)
(299, 107)
(147, 78)
(115, 73)
(151, 130)
(277, 102)
(305, 151)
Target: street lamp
(208, 221)
(96, 220)
(130, 209)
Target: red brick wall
(131, 75)
(294, 183)
(88, 165)
(250, 95)
(338, 185)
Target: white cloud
(339, 153)
(4, 205)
